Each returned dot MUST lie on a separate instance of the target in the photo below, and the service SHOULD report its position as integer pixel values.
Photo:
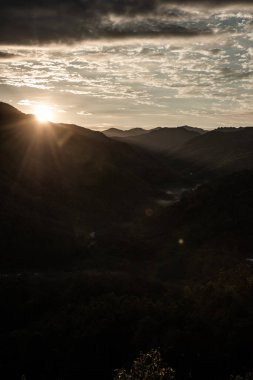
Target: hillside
(220, 151)
(193, 300)
(59, 183)
(163, 139)
(214, 224)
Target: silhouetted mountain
(59, 182)
(9, 113)
(163, 139)
(114, 132)
(224, 150)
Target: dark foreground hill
(188, 292)
(209, 230)
(60, 183)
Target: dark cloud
(231, 74)
(45, 21)
(6, 55)
(216, 51)
(152, 27)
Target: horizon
(43, 119)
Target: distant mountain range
(157, 139)
(221, 150)
(115, 132)
(190, 149)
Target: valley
(111, 246)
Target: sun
(43, 113)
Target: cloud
(152, 27)
(6, 55)
(84, 113)
(235, 75)
(216, 51)
(45, 21)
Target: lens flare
(43, 113)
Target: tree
(146, 367)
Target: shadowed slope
(59, 182)
(208, 231)
(163, 139)
(222, 150)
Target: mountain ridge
(218, 150)
(62, 181)
(162, 139)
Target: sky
(129, 63)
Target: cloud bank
(68, 21)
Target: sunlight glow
(43, 113)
